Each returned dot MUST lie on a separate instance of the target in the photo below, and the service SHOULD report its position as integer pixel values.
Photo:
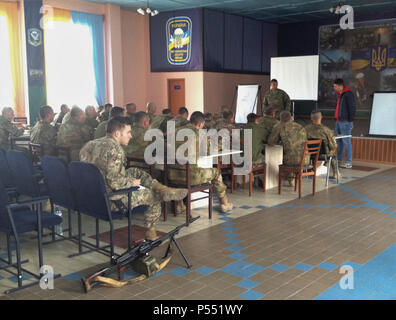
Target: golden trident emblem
(378, 59)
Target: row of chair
(78, 187)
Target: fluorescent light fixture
(148, 10)
(141, 11)
(154, 13)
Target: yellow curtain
(10, 11)
(57, 15)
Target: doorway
(176, 95)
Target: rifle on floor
(140, 250)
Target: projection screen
(383, 114)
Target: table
(342, 137)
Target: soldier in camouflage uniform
(277, 98)
(167, 116)
(293, 138)
(73, 134)
(107, 154)
(181, 119)
(105, 115)
(209, 122)
(131, 111)
(155, 120)
(90, 120)
(259, 135)
(219, 116)
(59, 117)
(43, 133)
(199, 175)
(317, 130)
(7, 129)
(100, 131)
(268, 121)
(227, 122)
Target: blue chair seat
(25, 220)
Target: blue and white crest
(35, 37)
(178, 32)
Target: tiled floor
(269, 247)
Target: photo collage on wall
(365, 57)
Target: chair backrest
(323, 146)
(3, 203)
(35, 150)
(57, 179)
(312, 148)
(89, 190)
(23, 173)
(5, 171)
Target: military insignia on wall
(178, 31)
(379, 57)
(35, 37)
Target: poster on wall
(365, 57)
(176, 41)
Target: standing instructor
(276, 98)
(344, 115)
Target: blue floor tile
(74, 276)
(205, 270)
(245, 207)
(231, 235)
(157, 274)
(353, 206)
(277, 207)
(252, 295)
(378, 206)
(279, 267)
(235, 248)
(233, 241)
(338, 206)
(247, 284)
(307, 206)
(242, 269)
(229, 229)
(237, 255)
(24, 277)
(226, 219)
(323, 206)
(303, 266)
(227, 224)
(129, 273)
(261, 207)
(327, 265)
(180, 271)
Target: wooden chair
(312, 147)
(259, 170)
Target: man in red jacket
(344, 115)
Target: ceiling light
(148, 10)
(154, 13)
(141, 11)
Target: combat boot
(180, 207)
(167, 194)
(151, 234)
(225, 205)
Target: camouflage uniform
(73, 135)
(109, 157)
(211, 124)
(320, 131)
(132, 116)
(45, 135)
(224, 124)
(293, 137)
(58, 119)
(259, 135)
(180, 121)
(198, 175)
(157, 121)
(66, 118)
(137, 145)
(101, 130)
(7, 130)
(164, 125)
(279, 99)
(91, 124)
(268, 123)
(104, 116)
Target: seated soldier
(90, 121)
(181, 119)
(199, 175)
(100, 131)
(107, 154)
(167, 116)
(137, 145)
(105, 115)
(209, 122)
(317, 130)
(7, 128)
(219, 116)
(293, 137)
(43, 133)
(59, 117)
(131, 111)
(269, 120)
(259, 135)
(151, 109)
(73, 134)
(227, 122)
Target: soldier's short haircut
(208, 116)
(130, 105)
(116, 112)
(183, 110)
(224, 108)
(316, 114)
(339, 82)
(227, 115)
(63, 107)
(251, 117)
(270, 111)
(75, 112)
(151, 107)
(274, 80)
(196, 118)
(87, 108)
(140, 116)
(166, 111)
(108, 106)
(285, 116)
(117, 123)
(44, 111)
(6, 110)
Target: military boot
(151, 234)
(225, 205)
(180, 207)
(168, 194)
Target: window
(69, 65)
(6, 81)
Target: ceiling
(279, 11)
